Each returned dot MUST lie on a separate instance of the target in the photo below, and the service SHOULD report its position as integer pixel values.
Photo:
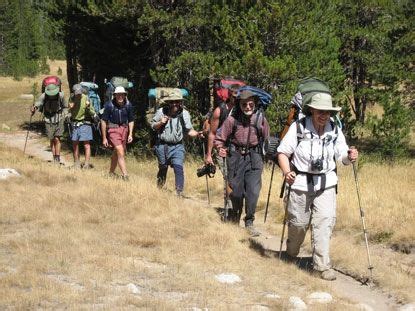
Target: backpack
(90, 89)
(114, 82)
(51, 80)
(264, 98)
(221, 88)
(157, 94)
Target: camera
(207, 169)
(317, 164)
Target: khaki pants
(320, 206)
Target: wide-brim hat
(173, 95)
(120, 90)
(51, 89)
(320, 101)
(245, 94)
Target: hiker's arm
(265, 129)
(222, 137)
(342, 151)
(38, 104)
(159, 121)
(130, 131)
(104, 133)
(214, 123)
(189, 130)
(284, 164)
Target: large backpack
(221, 88)
(51, 80)
(53, 105)
(90, 89)
(113, 83)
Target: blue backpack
(91, 89)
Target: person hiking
(239, 140)
(54, 107)
(307, 157)
(117, 124)
(171, 123)
(82, 116)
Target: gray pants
(244, 173)
(319, 210)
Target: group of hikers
(235, 134)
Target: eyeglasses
(246, 104)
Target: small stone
(272, 296)
(4, 126)
(133, 288)
(229, 278)
(26, 96)
(8, 172)
(296, 303)
(319, 297)
(407, 307)
(364, 307)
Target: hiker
(244, 129)
(82, 116)
(54, 107)
(117, 124)
(307, 156)
(171, 123)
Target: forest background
(363, 49)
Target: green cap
(52, 89)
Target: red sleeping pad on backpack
(222, 86)
(51, 80)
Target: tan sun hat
(320, 101)
(174, 94)
(120, 90)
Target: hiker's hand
(208, 159)
(223, 152)
(129, 139)
(352, 154)
(290, 177)
(71, 105)
(105, 143)
(33, 110)
(164, 120)
(200, 135)
(87, 104)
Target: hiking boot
(56, 159)
(179, 194)
(87, 166)
(328, 275)
(77, 165)
(125, 178)
(113, 175)
(253, 231)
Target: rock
(407, 307)
(4, 126)
(296, 303)
(132, 288)
(26, 96)
(319, 297)
(364, 307)
(229, 278)
(272, 296)
(6, 173)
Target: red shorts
(118, 135)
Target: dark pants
(244, 173)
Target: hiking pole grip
(269, 191)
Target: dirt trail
(344, 287)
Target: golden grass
(74, 239)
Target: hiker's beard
(248, 113)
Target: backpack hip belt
(114, 125)
(243, 150)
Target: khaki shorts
(55, 129)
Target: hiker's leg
(176, 156)
(87, 147)
(322, 224)
(162, 164)
(75, 145)
(161, 175)
(298, 216)
(236, 172)
(121, 159)
(252, 186)
(57, 146)
(52, 146)
(114, 161)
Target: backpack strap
(224, 112)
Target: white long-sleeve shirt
(307, 146)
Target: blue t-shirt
(118, 115)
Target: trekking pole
(225, 189)
(27, 134)
(362, 217)
(269, 191)
(285, 219)
(206, 175)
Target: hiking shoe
(77, 165)
(253, 231)
(125, 178)
(328, 275)
(87, 166)
(179, 194)
(113, 175)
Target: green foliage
(391, 132)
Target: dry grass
(76, 239)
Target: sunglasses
(250, 104)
